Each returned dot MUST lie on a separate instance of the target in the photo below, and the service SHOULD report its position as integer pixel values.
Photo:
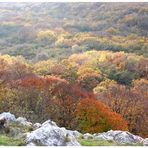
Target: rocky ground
(18, 131)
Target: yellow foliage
(104, 86)
(46, 34)
(86, 70)
(6, 98)
(43, 67)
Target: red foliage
(58, 99)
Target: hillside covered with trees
(83, 65)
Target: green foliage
(9, 141)
(122, 77)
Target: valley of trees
(83, 65)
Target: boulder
(49, 122)
(120, 137)
(87, 136)
(76, 134)
(31, 144)
(125, 138)
(23, 121)
(106, 135)
(37, 125)
(145, 142)
(8, 116)
(49, 134)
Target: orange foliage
(39, 82)
(93, 116)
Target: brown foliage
(50, 97)
(131, 103)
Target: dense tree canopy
(83, 65)
(59, 30)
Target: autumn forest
(83, 65)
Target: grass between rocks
(11, 135)
(136, 144)
(92, 142)
(9, 141)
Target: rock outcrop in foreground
(49, 134)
